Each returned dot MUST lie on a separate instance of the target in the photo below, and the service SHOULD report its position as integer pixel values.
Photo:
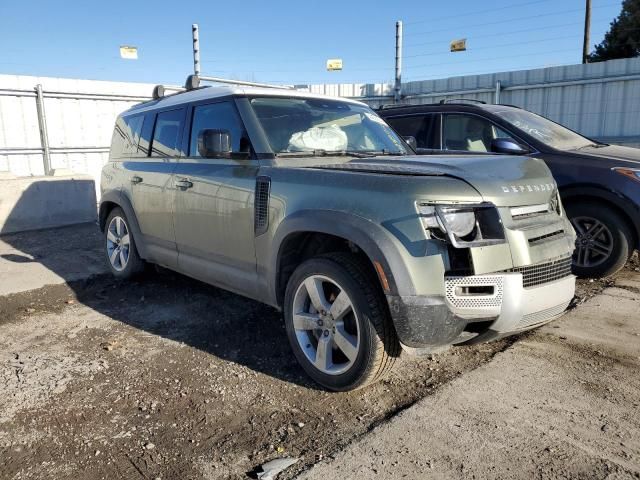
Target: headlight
(464, 225)
(632, 173)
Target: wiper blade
(338, 153)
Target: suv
(599, 183)
(315, 206)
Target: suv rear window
(167, 133)
(126, 136)
(424, 128)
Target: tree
(623, 38)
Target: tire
(604, 240)
(359, 342)
(120, 246)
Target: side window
(167, 133)
(424, 128)
(470, 133)
(221, 116)
(126, 136)
(145, 136)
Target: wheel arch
(301, 235)
(615, 200)
(112, 199)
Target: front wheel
(604, 240)
(338, 322)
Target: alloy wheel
(326, 324)
(594, 242)
(118, 243)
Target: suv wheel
(120, 247)
(338, 322)
(604, 240)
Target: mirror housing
(411, 140)
(507, 146)
(214, 143)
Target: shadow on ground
(162, 303)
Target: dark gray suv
(599, 183)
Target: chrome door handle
(183, 184)
(136, 179)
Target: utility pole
(196, 48)
(587, 31)
(397, 91)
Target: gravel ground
(167, 377)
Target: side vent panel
(261, 205)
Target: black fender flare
(372, 239)
(627, 208)
(122, 200)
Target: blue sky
(289, 42)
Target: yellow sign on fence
(130, 53)
(459, 45)
(334, 64)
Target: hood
(502, 180)
(626, 156)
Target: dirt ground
(166, 377)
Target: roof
(217, 91)
(440, 107)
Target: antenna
(193, 81)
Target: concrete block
(33, 203)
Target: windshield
(324, 126)
(543, 129)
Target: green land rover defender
(315, 206)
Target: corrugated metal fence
(600, 100)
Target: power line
(510, 57)
(488, 47)
(508, 20)
(500, 34)
(478, 12)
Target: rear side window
(424, 128)
(126, 136)
(167, 133)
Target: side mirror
(411, 141)
(508, 146)
(214, 143)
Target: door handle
(136, 179)
(183, 184)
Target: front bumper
(478, 308)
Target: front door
(214, 217)
(150, 178)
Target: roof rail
(193, 82)
(458, 100)
(160, 91)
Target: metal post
(498, 89)
(44, 136)
(196, 48)
(397, 94)
(587, 31)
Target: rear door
(150, 174)
(214, 216)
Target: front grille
(541, 273)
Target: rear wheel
(338, 322)
(120, 247)
(604, 240)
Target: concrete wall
(30, 203)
